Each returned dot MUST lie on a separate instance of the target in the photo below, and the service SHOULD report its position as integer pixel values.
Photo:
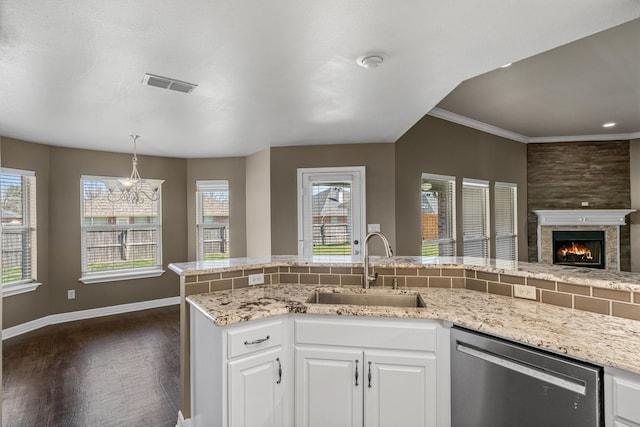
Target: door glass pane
(332, 223)
(213, 219)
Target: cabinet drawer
(418, 335)
(252, 337)
(627, 399)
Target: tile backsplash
(617, 303)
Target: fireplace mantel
(584, 217)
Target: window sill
(120, 275)
(11, 290)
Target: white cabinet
(241, 375)
(345, 371)
(401, 390)
(328, 387)
(256, 393)
(371, 372)
(622, 398)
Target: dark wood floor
(120, 370)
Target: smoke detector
(370, 61)
(168, 83)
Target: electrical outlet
(526, 292)
(256, 279)
(584, 204)
(71, 294)
(373, 228)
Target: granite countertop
(600, 339)
(579, 276)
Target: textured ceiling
(272, 73)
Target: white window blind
(475, 217)
(119, 239)
(438, 215)
(19, 248)
(505, 195)
(212, 223)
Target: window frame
(451, 240)
(355, 176)
(514, 217)
(125, 273)
(467, 184)
(203, 186)
(29, 208)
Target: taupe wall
(65, 166)
(562, 175)
(233, 170)
(634, 154)
(259, 204)
(380, 177)
(437, 146)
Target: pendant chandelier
(133, 189)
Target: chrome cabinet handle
(369, 376)
(279, 371)
(356, 373)
(258, 341)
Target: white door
(402, 389)
(331, 211)
(256, 390)
(328, 391)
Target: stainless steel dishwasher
(498, 383)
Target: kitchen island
(473, 293)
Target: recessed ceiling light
(609, 125)
(370, 61)
(506, 65)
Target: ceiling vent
(167, 83)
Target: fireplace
(579, 248)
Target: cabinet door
(402, 389)
(621, 395)
(256, 390)
(328, 391)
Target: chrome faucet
(366, 278)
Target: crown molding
(494, 130)
(578, 138)
(475, 124)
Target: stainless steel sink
(391, 300)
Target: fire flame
(576, 250)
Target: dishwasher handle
(576, 386)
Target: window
(18, 189)
(438, 215)
(122, 239)
(212, 205)
(475, 218)
(506, 221)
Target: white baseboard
(86, 314)
(182, 422)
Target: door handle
(279, 371)
(357, 373)
(369, 375)
(258, 341)
(523, 368)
